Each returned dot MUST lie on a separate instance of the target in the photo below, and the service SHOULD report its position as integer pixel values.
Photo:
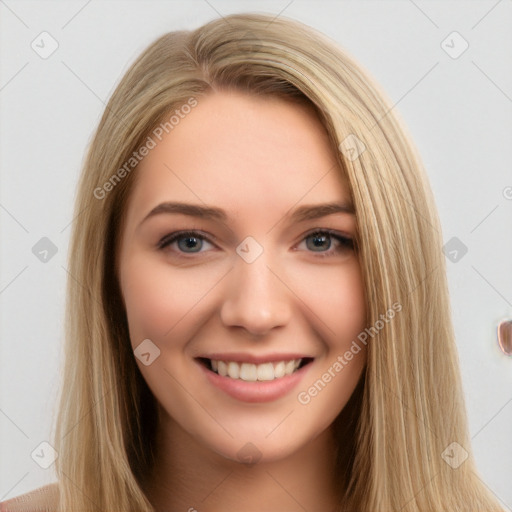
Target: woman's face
(253, 291)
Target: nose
(256, 298)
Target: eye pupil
(319, 241)
(191, 242)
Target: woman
(218, 358)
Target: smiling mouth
(250, 372)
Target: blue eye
(319, 241)
(322, 241)
(189, 242)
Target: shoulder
(42, 499)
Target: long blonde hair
(409, 408)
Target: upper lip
(240, 357)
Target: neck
(187, 476)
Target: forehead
(243, 153)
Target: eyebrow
(300, 214)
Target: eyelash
(345, 242)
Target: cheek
(335, 296)
(349, 315)
(157, 298)
(338, 300)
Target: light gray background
(457, 110)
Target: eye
(188, 242)
(323, 242)
(320, 241)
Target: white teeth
(265, 371)
(222, 368)
(255, 372)
(233, 370)
(289, 367)
(248, 372)
(279, 370)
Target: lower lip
(257, 391)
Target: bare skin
(258, 159)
